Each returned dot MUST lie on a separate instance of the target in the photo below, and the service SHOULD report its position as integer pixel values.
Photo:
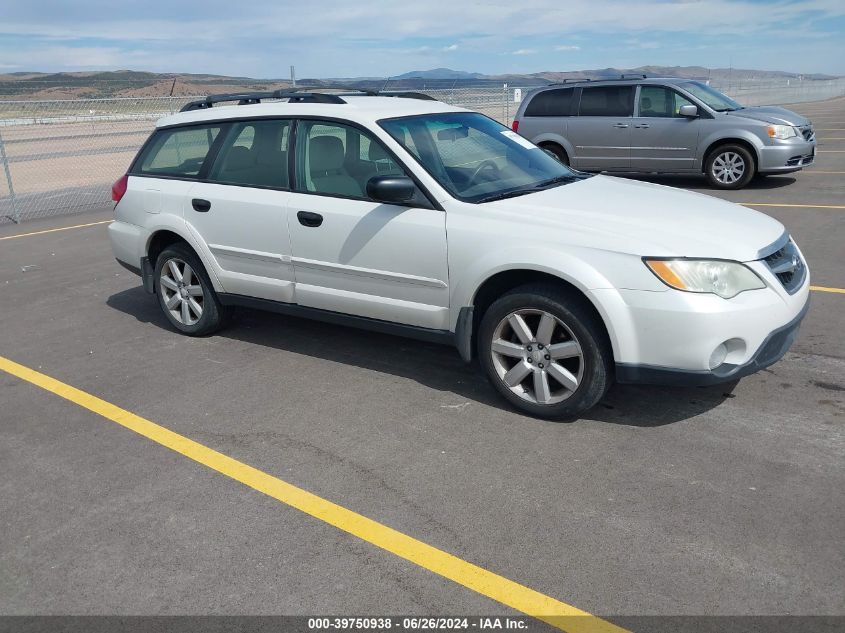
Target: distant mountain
(439, 73)
(127, 83)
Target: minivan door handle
(620, 125)
(200, 205)
(642, 125)
(306, 218)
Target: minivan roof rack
(300, 96)
(570, 80)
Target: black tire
(558, 151)
(576, 321)
(728, 154)
(213, 316)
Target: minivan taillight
(515, 125)
(119, 188)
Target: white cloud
(525, 51)
(451, 47)
(567, 47)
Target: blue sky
(331, 38)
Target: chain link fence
(59, 157)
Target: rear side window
(178, 151)
(607, 101)
(550, 103)
(254, 153)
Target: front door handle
(620, 125)
(200, 205)
(306, 218)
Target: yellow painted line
(800, 206)
(830, 151)
(64, 228)
(840, 291)
(498, 588)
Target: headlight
(782, 131)
(726, 279)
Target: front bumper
(773, 348)
(787, 156)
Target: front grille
(786, 264)
(807, 132)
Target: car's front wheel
(185, 293)
(729, 167)
(545, 351)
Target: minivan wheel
(729, 167)
(558, 151)
(545, 351)
(185, 293)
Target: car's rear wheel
(545, 351)
(185, 293)
(729, 167)
(558, 152)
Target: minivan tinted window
(550, 103)
(178, 151)
(607, 101)
(254, 153)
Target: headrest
(377, 152)
(646, 103)
(239, 158)
(326, 153)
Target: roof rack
(570, 80)
(302, 96)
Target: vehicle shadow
(436, 366)
(700, 183)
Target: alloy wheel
(537, 356)
(181, 291)
(728, 168)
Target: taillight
(515, 125)
(119, 188)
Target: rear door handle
(306, 218)
(620, 125)
(642, 125)
(200, 205)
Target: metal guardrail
(61, 157)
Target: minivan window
(254, 153)
(712, 97)
(656, 101)
(607, 101)
(550, 103)
(178, 151)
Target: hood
(643, 219)
(771, 114)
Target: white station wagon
(405, 215)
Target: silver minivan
(667, 125)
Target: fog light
(718, 356)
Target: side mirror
(391, 189)
(689, 111)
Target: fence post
(16, 216)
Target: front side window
(607, 101)
(178, 151)
(551, 103)
(710, 96)
(338, 159)
(254, 153)
(475, 158)
(656, 101)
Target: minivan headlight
(782, 132)
(723, 278)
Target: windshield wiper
(557, 180)
(505, 194)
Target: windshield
(476, 159)
(711, 96)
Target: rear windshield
(550, 103)
(177, 151)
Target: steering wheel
(485, 164)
